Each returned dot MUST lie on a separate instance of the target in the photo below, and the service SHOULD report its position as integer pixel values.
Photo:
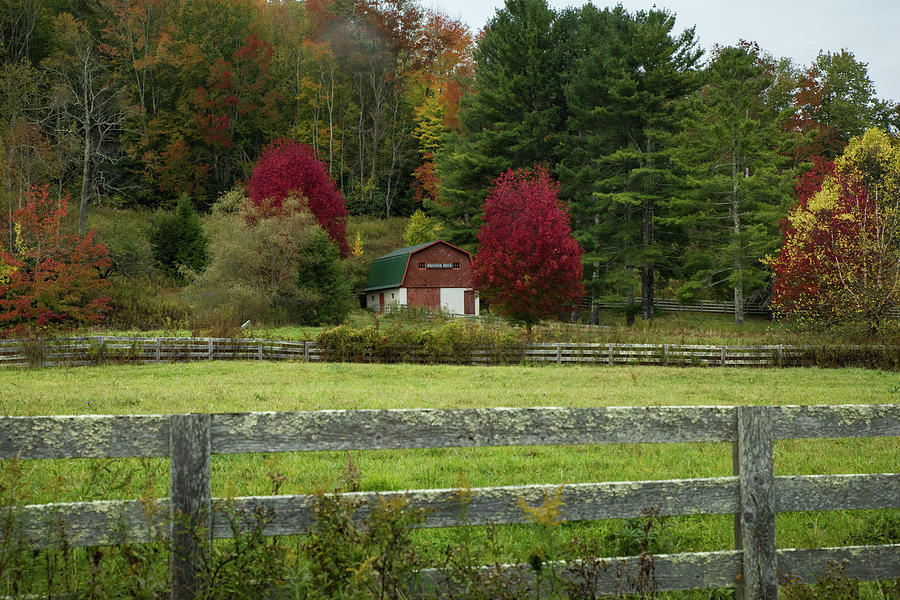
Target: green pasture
(253, 386)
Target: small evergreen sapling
(321, 277)
(528, 265)
(178, 241)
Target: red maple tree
(287, 167)
(52, 279)
(528, 265)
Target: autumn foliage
(52, 279)
(528, 265)
(287, 167)
(840, 260)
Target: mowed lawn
(251, 386)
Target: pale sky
(797, 29)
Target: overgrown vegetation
(270, 268)
(344, 555)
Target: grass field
(238, 387)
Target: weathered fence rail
(753, 494)
(98, 350)
(701, 306)
(725, 307)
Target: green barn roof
(387, 271)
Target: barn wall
(395, 296)
(437, 277)
(453, 300)
(424, 298)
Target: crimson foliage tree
(286, 167)
(528, 264)
(52, 279)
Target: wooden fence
(753, 494)
(98, 350)
(701, 306)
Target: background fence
(99, 350)
(753, 494)
(701, 306)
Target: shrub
(254, 270)
(178, 241)
(453, 342)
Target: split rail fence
(701, 306)
(753, 494)
(97, 350)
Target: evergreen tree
(621, 96)
(324, 288)
(733, 151)
(511, 117)
(177, 239)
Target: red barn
(435, 275)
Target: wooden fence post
(665, 355)
(158, 350)
(723, 357)
(755, 524)
(558, 354)
(210, 348)
(610, 355)
(306, 350)
(780, 355)
(259, 349)
(190, 501)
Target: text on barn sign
(442, 266)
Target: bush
(453, 342)
(885, 358)
(178, 241)
(254, 270)
(125, 235)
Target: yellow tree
(840, 259)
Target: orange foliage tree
(52, 279)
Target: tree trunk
(86, 164)
(648, 269)
(735, 205)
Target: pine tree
(511, 117)
(177, 239)
(733, 152)
(621, 96)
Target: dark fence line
(753, 494)
(701, 306)
(79, 351)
